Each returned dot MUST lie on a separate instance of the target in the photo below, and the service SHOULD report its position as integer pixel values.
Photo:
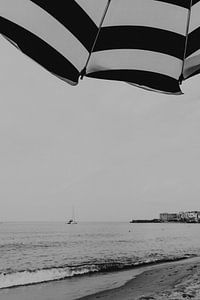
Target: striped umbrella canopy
(154, 44)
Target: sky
(111, 150)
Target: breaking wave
(27, 277)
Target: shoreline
(174, 281)
(114, 269)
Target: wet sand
(173, 281)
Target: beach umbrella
(154, 44)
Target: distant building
(186, 217)
(181, 216)
(191, 216)
(164, 217)
(168, 217)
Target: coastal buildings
(167, 217)
(190, 216)
(186, 217)
(181, 217)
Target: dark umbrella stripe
(195, 1)
(193, 43)
(73, 17)
(143, 38)
(39, 50)
(151, 80)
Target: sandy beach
(173, 281)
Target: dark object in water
(146, 221)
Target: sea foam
(39, 276)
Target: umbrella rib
(186, 41)
(83, 72)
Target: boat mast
(73, 214)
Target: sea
(40, 253)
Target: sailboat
(72, 220)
